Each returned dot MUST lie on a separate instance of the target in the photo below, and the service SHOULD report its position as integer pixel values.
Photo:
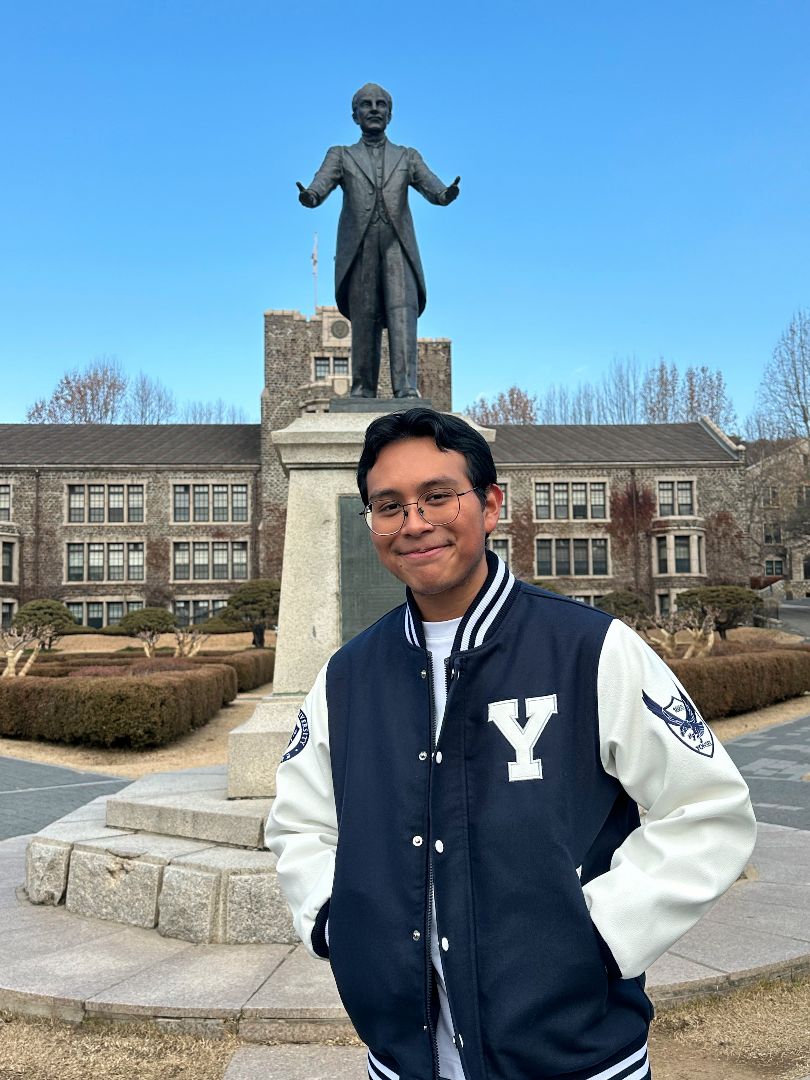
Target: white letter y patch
(504, 714)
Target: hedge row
(725, 685)
(137, 712)
(253, 668)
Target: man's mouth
(421, 553)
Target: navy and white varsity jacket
(552, 898)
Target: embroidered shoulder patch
(299, 737)
(681, 717)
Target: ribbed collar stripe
(378, 1071)
(479, 617)
(619, 1070)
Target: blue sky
(634, 182)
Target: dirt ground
(757, 1034)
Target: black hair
(448, 432)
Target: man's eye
(437, 498)
(386, 509)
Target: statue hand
(451, 192)
(305, 196)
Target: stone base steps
(193, 804)
(256, 747)
(183, 885)
(297, 1063)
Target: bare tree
(212, 412)
(784, 396)
(95, 395)
(620, 392)
(513, 407)
(148, 402)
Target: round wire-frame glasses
(440, 506)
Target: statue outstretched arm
(325, 180)
(429, 185)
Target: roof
(130, 444)
(608, 444)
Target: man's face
(372, 111)
(444, 565)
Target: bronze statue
(378, 274)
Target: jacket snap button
(416, 935)
(445, 944)
(423, 755)
(423, 673)
(438, 757)
(439, 846)
(417, 841)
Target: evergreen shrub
(725, 685)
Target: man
(378, 273)
(457, 817)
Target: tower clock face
(339, 329)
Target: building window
(504, 514)
(590, 557)
(96, 503)
(77, 612)
(181, 612)
(201, 562)
(500, 547)
(75, 563)
(686, 502)
(220, 502)
(135, 503)
(201, 502)
(95, 562)
(8, 562)
(579, 500)
(76, 502)
(239, 502)
(95, 615)
(774, 568)
(115, 612)
(135, 562)
(322, 367)
(181, 562)
(806, 568)
(115, 562)
(683, 561)
(661, 554)
(542, 501)
(239, 554)
(667, 492)
(6, 615)
(5, 502)
(664, 606)
(772, 532)
(341, 365)
(134, 605)
(181, 502)
(199, 611)
(543, 558)
(598, 501)
(115, 503)
(219, 562)
(560, 501)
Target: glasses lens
(384, 516)
(439, 507)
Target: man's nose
(414, 522)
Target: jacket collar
(361, 157)
(482, 617)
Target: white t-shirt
(439, 638)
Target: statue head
(372, 107)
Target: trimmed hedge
(725, 685)
(150, 710)
(253, 668)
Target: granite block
(46, 871)
(256, 910)
(189, 905)
(106, 886)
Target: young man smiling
(457, 815)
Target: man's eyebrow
(426, 485)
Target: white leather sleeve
(302, 826)
(699, 829)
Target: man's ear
(492, 507)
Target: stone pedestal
(319, 452)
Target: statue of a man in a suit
(378, 274)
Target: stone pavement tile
(300, 987)
(177, 783)
(46, 937)
(670, 969)
(80, 971)
(204, 980)
(27, 811)
(749, 908)
(778, 867)
(205, 814)
(725, 948)
(297, 1063)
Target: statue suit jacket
(351, 168)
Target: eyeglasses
(440, 507)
